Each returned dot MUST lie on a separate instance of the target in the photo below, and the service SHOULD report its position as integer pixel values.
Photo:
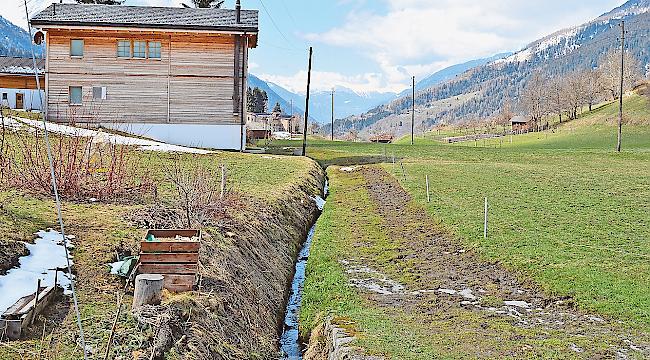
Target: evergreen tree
(257, 101)
(216, 4)
(277, 108)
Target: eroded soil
(453, 290)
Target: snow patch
(46, 253)
(99, 136)
(519, 304)
(320, 202)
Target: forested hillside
(481, 92)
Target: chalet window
(76, 95)
(139, 49)
(99, 92)
(77, 47)
(154, 49)
(124, 48)
(5, 96)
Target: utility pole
(620, 100)
(413, 115)
(304, 131)
(333, 114)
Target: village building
(177, 75)
(265, 125)
(18, 88)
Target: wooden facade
(19, 81)
(194, 82)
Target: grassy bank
(264, 189)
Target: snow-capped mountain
(346, 101)
(14, 41)
(451, 72)
(568, 40)
(481, 91)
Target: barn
(173, 74)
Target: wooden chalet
(177, 75)
(18, 88)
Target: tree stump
(148, 290)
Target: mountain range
(451, 72)
(14, 41)
(347, 101)
(481, 91)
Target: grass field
(566, 212)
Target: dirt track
(453, 283)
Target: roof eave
(229, 29)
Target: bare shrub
(196, 192)
(83, 169)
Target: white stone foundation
(221, 137)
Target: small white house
(18, 88)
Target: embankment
(247, 263)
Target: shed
(520, 123)
(382, 139)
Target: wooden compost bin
(177, 261)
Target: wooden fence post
(485, 225)
(223, 180)
(428, 194)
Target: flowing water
(289, 342)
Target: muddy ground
(456, 287)
(10, 252)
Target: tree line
(566, 94)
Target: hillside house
(520, 124)
(18, 88)
(172, 74)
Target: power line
(275, 24)
(56, 190)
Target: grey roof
(519, 120)
(20, 65)
(147, 17)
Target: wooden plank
(179, 283)
(11, 81)
(16, 309)
(174, 247)
(147, 258)
(182, 269)
(173, 233)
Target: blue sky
(377, 45)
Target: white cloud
(324, 81)
(418, 37)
